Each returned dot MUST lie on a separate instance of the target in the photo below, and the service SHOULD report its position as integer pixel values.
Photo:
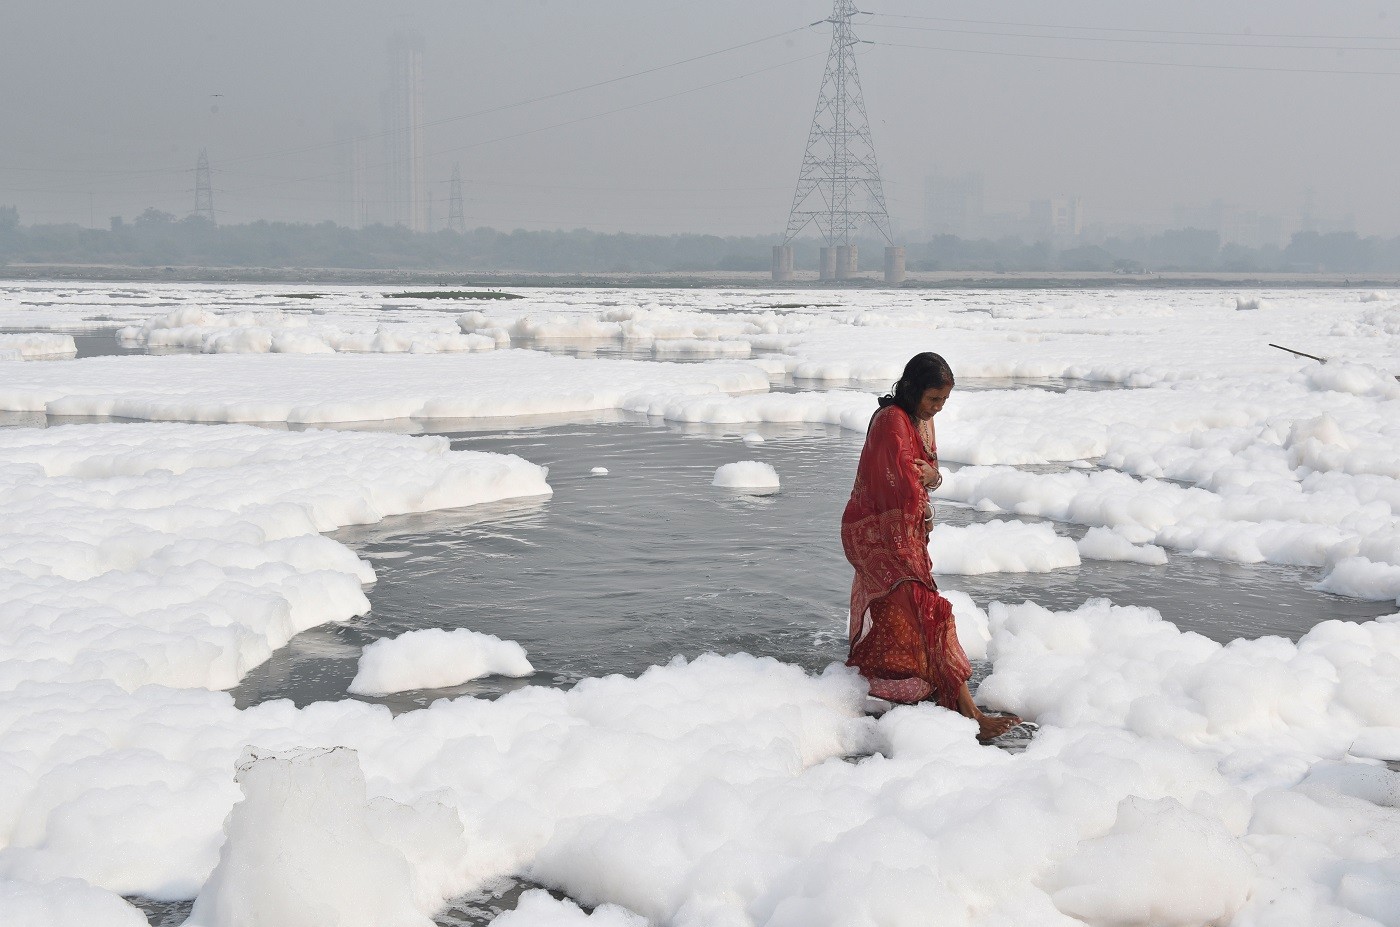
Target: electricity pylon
(203, 189)
(839, 187)
(456, 218)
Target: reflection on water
(620, 572)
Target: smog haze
(1149, 112)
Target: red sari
(903, 638)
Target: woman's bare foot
(990, 727)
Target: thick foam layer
(184, 555)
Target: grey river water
(620, 572)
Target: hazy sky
(106, 106)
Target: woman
(903, 638)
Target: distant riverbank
(1014, 280)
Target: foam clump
(434, 658)
(1356, 379)
(26, 345)
(538, 908)
(317, 389)
(63, 902)
(305, 848)
(1160, 865)
(1251, 303)
(753, 437)
(183, 555)
(1105, 544)
(1000, 546)
(277, 332)
(599, 471)
(750, 476)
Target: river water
(620, 572)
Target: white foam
(751, 476)
(999, 547)
(1160, 864)
(305, 848)
(184, 555)
(344, 388)
(62, 902)
(434, 658)
(1105, 544)
(540, 909)
(279, 332)
(26, 345)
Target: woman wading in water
(903, 639)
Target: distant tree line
(156, 239)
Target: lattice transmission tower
(203, 189)
(839, 186)
(456, 217)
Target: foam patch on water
(347, 388)
(435, 659)
(1105, 544)
(540, 909)
(184, 555)
(35, 344)
(747, 475)
(278, 332)
(999, 546)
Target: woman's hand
(928, 474)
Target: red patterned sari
(903, 638)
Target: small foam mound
(1252, 303)
(36, 344)
(435, 659)
(747, 475)
(1000, 547)
(539, 908)
(1363, 578)
(1106, 544)
(753, 438)
(1356, 379)
(307, 848)
(63, 902)
(1160, 864)
(599, 471)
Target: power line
(1159, 64)
(1131, 41)
(1236, 35)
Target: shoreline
(940, 280)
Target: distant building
(1059, 218)
(406, 185)
(953, 205)
(1234, 224)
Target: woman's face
(931, 403)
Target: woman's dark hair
(923, 372)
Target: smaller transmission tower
(203, 189)
(838, 188)
(456, 217)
